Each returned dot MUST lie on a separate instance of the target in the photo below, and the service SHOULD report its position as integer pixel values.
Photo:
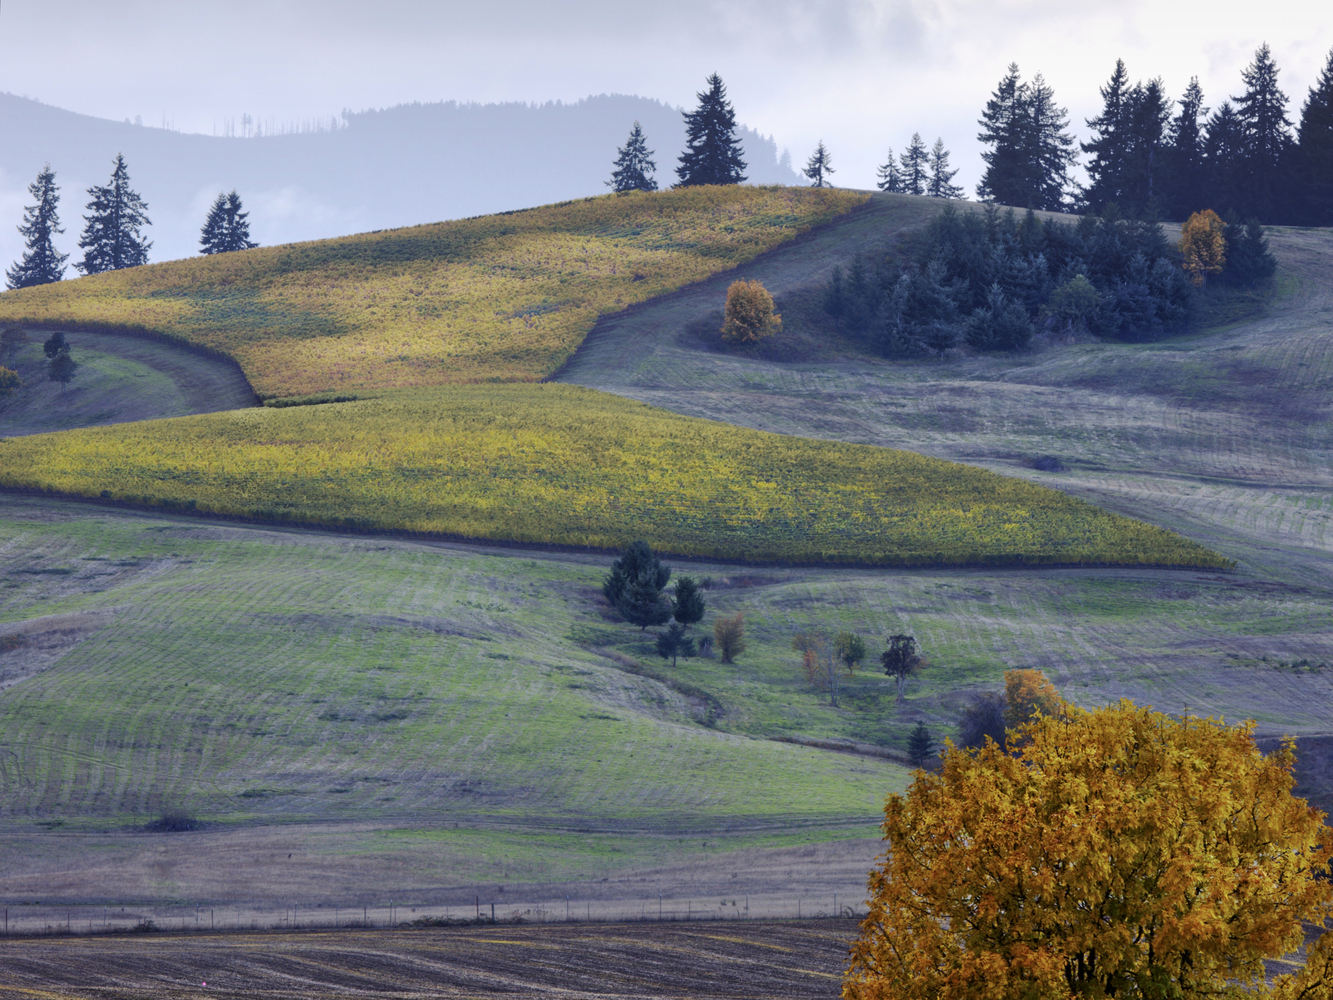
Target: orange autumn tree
(749, 315)
(1117, 853)
(1027, 692)
(1203, 245)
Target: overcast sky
(859, 74)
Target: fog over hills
(368, 170)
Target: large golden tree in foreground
(1118, 853)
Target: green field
(565, 466)
(351, 697)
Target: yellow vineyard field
(556, 464)
(497, 298)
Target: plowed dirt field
(792, 959)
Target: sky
(860, 75)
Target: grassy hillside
(569, 466)
(503, 297)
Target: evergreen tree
(674, 642)
(818, 166)
(937, 185)
(1261, 111)
(915, 163)
(634, 165)
(890, 177)
(1050, 147)
(919, 744)
(1030, 152)
(1314, 159)
(689, 607)
(712, 154)
(226, 228)
(1185, 167)
(1002, 130)
(111, 239)
(1224, 160)
(1106, 168)
(637, 560)
(41, 263)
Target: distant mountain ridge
(380, 169)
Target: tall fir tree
(226, 228)
(1002, 130)
(1224, 161)
(1314, 152)
(1106, 167)
(634, 166)
(1030, 151)
(1050, 147)
(915, 163)
(41, 264)
(1185, 166)
(1146, 167)
(890, 177)
(713, 153)
(819, 166)
(1261, 111)
(938, 185)
(111, 238)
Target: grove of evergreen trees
(111, 238)
(41, 264)
(713, 153)
(1152, 157)
(226, 228)
(993, 279)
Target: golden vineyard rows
(498, 298)
(556, 464)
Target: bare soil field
(732, 959)
(119, 379)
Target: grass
(567, 466)
(503, 297)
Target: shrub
(1203, 245)
(749, 313)
(729, 636)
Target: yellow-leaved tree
(749, 315)
(1116, 853)
(1203, 245)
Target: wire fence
(37, 919)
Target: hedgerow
(501, 297)
(554, 464)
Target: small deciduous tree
(1118, 853)
(9, 381)
(819, 166)
(920, 745)
(820, 662)
(41, 264)
(729, 636)
(674, 642)
(749, 315)
(901, 660)
(689, 606)
(634, 166)
(227, 228)
(983, 719)
(111, 238)
(1027, 693)
(11, 340)
(1203, 245)
(851, 650)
